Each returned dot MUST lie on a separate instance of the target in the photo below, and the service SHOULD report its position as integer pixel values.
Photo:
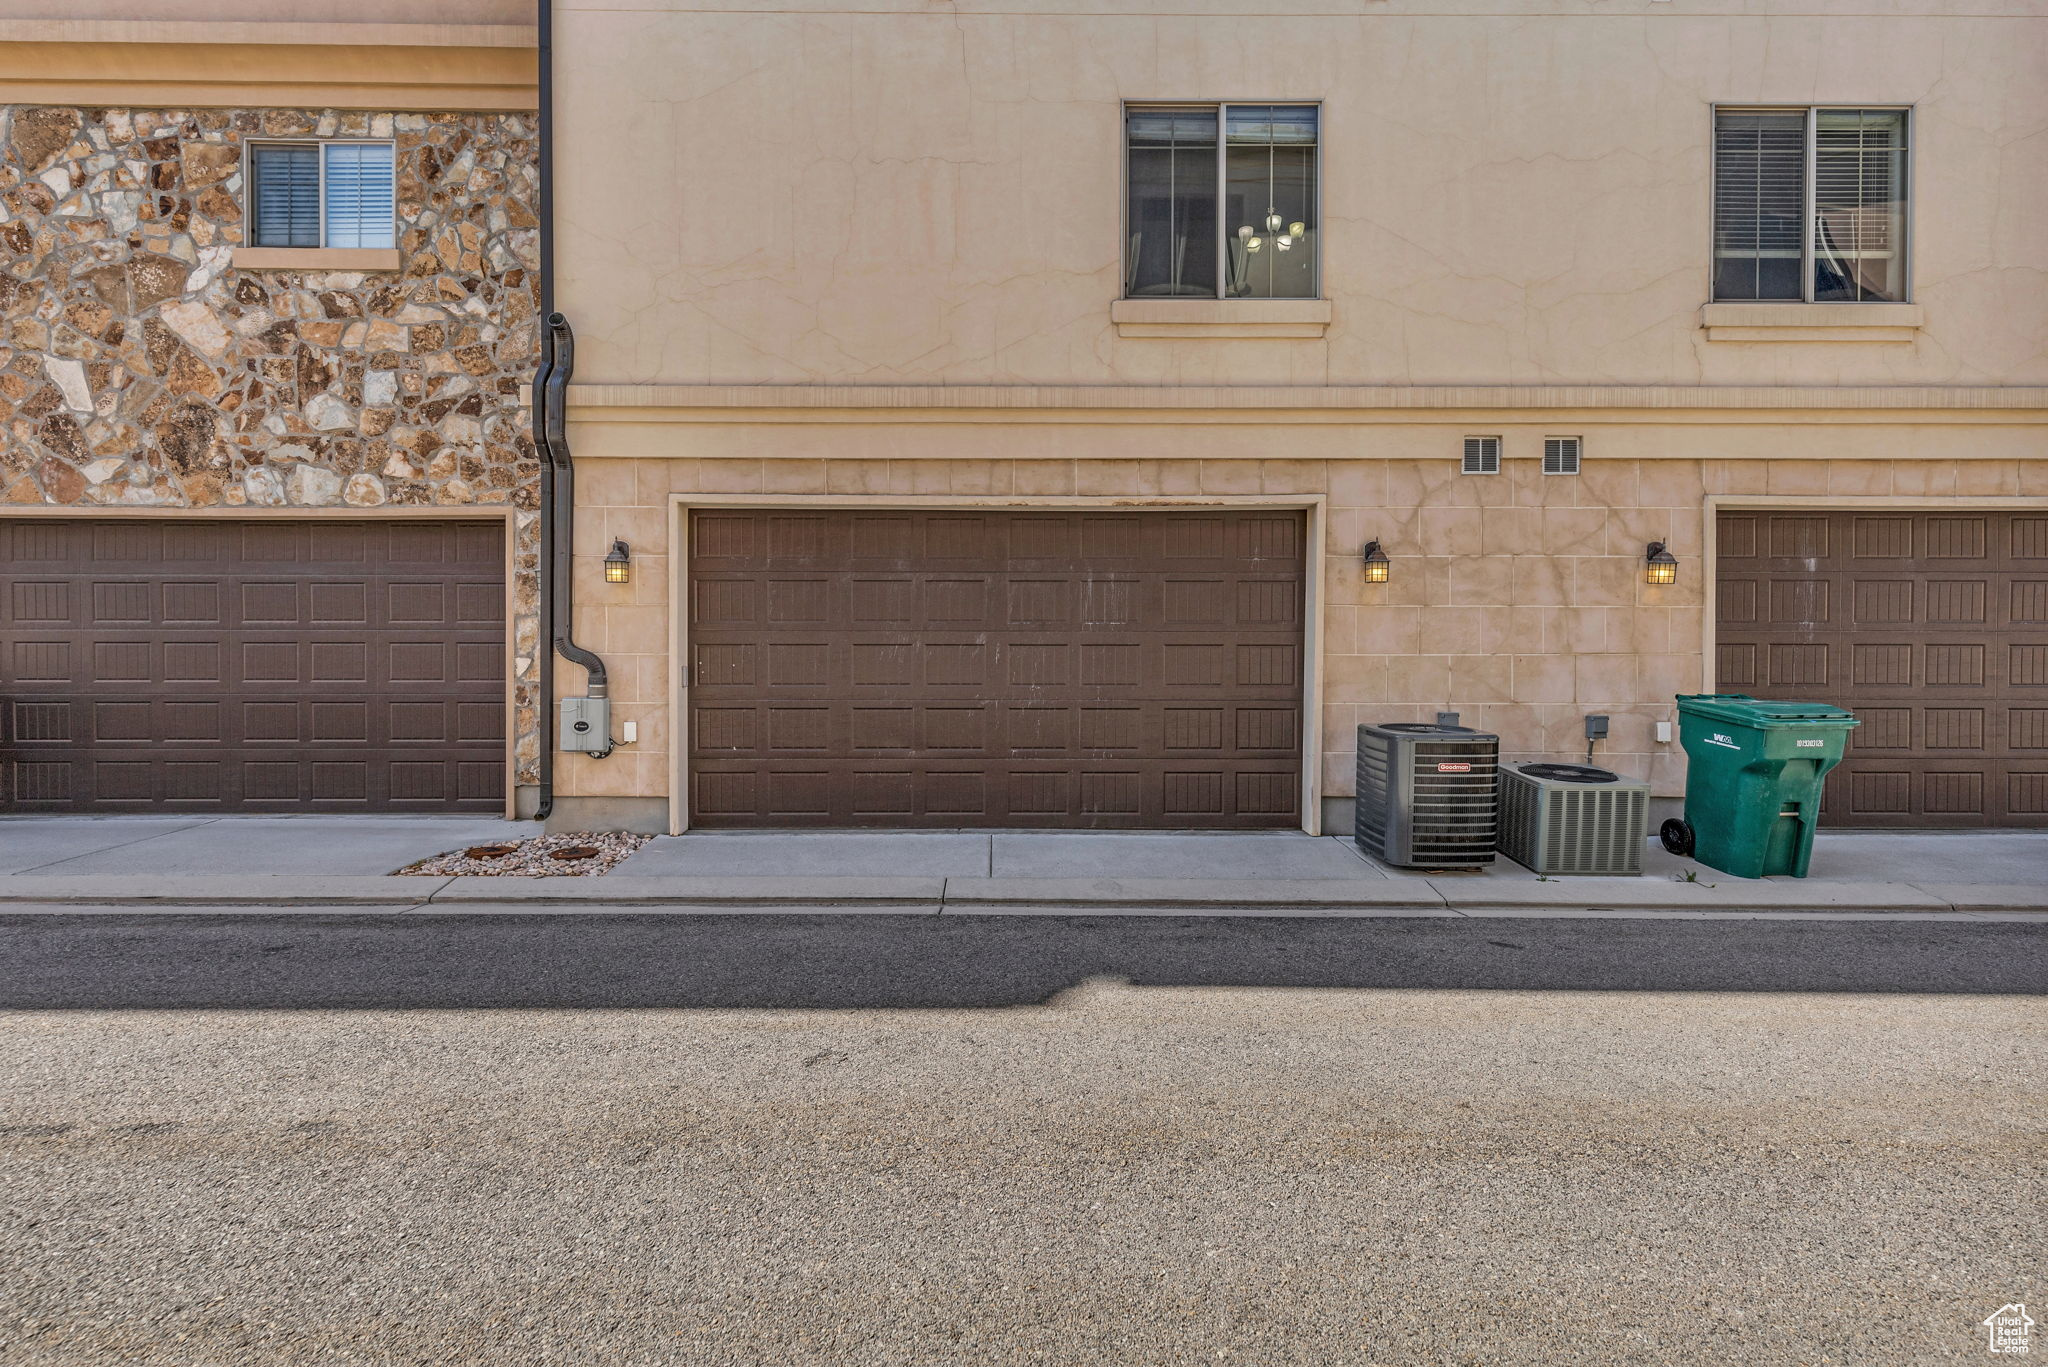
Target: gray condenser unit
(1573, 818)
(1426, 794)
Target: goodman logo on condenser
(1724, 740)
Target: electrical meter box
(587, 724)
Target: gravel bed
(537, 858)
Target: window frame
(1222, 110)
(1809, 195)
(249, 147)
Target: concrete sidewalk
(332, 864)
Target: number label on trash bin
(1453, 767)
(1810, 744)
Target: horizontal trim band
(1819, 334)
(1220, 317)
(315, 259)
(1224, 330)
(266, 32)
(242, 75)
(1799, 316)
(593, 398)
(1220, 312)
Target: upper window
(1235, 220)
(1810, 205)
(321, 194)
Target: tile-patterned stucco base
(1517, 601)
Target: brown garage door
(1931, 627)
(253, 666)
(996, 669)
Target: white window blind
(359, 194)
(1560, 455)
(310, 194)
(1859, 199)
(1482, 456)
(1759, 194)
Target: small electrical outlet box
(629, 731)
(587, 724)
(1447, 719)
(1596, 726)
(1664, 733)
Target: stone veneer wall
(138, 367)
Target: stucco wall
(934, 193)
(142, 368)
(1517, 600)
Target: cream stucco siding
(911, 193)
(824, 255)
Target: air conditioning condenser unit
(1573, 818)
(1426, 794)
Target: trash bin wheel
(1677, 836)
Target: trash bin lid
(1570, 773)
(1740, 707)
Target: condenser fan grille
(1571, 773)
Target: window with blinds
(1482, 456)
(1859, 204)
(1220, 201)
(1810, 205)
(315, 194)
(286, 198)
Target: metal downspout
(562, 364)
(545, 584)
(544, 710)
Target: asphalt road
(886, 1140)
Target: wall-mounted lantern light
(1376, 564)
(1660, 565)
(618, 566)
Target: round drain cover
(1570, 773)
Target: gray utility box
(1573, 818)
(1426, 794)
(587, 724)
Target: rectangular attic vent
(1560, 455)
(1482, 456)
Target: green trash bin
(1752, 784)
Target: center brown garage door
(252, 666)
(1932, 627)
(1081, 669)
